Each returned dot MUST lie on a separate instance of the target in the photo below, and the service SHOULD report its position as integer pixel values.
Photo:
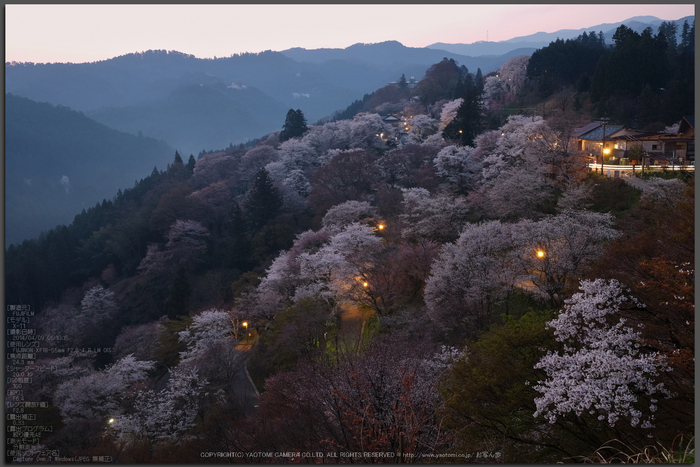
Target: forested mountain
(641, 79)
(393, 53)
(59, 162)
(152, 85)
(199, 116)
(455, 285)
(542, 39)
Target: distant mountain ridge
(58, 162)
(319, 82)
(542, 39)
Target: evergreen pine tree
(263, 202)
(294, 125)
(402, 83)
(178, 159)
(468, 122)
(237, 253)
(191, 163)
(180, 292)
(648, 106)
(479, 80)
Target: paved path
(637, 183)
(352, 323)
(245, 391)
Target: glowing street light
(380, 226)
(110, 421)
(365, 284)
(540, 254)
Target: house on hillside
(615, 141)
(680, 145)
(392, 120)
(595, 138)
(410, 83)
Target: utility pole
(602, 151)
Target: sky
(85, 33)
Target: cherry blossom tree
(470, 276)
(97, 304)
(494, 89)
(186, 243)
(438, 217)
(98, 394)
(278, 287)
(518, 166)
(332, 135)
(294, 154)
(602, 368)
(211, 346)
(370, 133)
(419, 128)
(409, 166)
(517, 192)
(553, 251)
(513, 73)
(459, 167)
(668, 192)
(165, 415)
(214, 167)
(449, 110)
(344, 214)
(68, 324)
(339, 268)
(576, 196)
(49, 373)
(141, 341)
(254, 160)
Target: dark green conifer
(294, 125)
(468, 122)
(180, 292)
(191, 163)
(263, 202)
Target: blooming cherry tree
(438, 217)
(166, 415)
(552, 251)
(98, 394)
(344, 214)
(459, 167)
(470, 275)
(449, 110)
(214, 167)
(186, 243)
(601, 369)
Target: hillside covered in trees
(452, 286)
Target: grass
(667, 175)
(612, 195)
(616, 451)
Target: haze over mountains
(123, 115)
(542, 39)
(59, 162)
(239, 98)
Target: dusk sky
(84, 33)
